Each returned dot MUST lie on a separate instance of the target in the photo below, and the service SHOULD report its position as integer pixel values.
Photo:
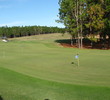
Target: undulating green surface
(37, 68)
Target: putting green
(39, 59)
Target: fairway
(38, 68)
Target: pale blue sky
(29, 12)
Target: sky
(29, 13)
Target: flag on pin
(76, 56)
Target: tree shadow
(87, 43)
(1, 97)
(67, 41)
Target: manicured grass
(37, 68)
(16, 86)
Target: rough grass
(39, 69)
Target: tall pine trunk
(77, 19)
(81, 24)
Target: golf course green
(39, 68)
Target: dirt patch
(85, 46)
(66, 45)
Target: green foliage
(93, 39)
(95, 14)
(66, 13)
(72, 13)
(107, 18)
(28, 30)
(86, 17)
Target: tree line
(19, 31)
(86, 19)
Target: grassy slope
(17, 86)
(41, 70)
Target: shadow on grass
(67, 41)
(75, 64)
(1, 97)
(87, 43)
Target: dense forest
(17, 31)
(86, 19)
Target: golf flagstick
(77, 57)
